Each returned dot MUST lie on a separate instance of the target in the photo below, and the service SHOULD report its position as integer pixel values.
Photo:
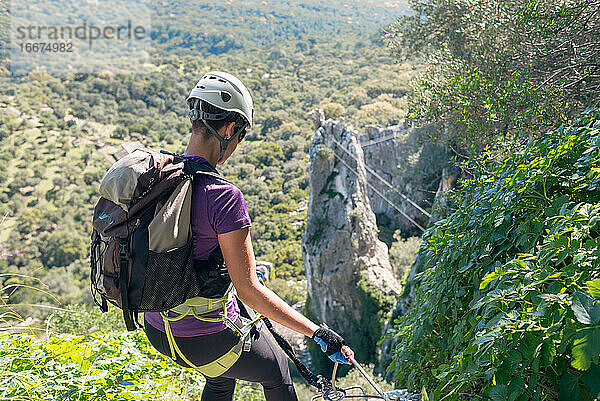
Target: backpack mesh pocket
(170, 279)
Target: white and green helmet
(225, 92)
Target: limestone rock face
(412, 167)
(350, 283)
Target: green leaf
(488, 278)
(499, 393)
(548, 353)
(591, 379)
(569, 388)
(586, 348)
(586, 309)
(515, 388)
(489, 336)
(594, 288)
(533, 380)
(559, 202)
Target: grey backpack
(141, 253)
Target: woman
(221, 109)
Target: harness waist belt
(198, 306)
(201, 305)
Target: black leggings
(265, 363)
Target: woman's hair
(198, 125)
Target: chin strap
(196, 114)
(222, 142)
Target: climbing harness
(250, 322)
(330, 392)
(199, 306)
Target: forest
(506, 302)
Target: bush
(83, 320)
(332, 109)
(290, 291)
(402, 254)
(510, 308)
(107, 366)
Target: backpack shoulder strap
(211, 173)
(198, 168)
(192, 168)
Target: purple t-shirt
(218, 207)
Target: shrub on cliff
(499, 72)
(510, 309)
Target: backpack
(141, 253)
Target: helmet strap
(195, 113)
(223, 143)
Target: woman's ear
(228, 130)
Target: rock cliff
(412, 167)
(350, 283)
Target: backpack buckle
(123, 251)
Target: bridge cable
(378, 140)
(380, 194)
(383, 180)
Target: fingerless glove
(331, 343)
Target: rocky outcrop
(411, 166)
(350, 283)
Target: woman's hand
(236, 247)
(348, 353)
(333, 345)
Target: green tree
(332, 109)
(500, 70)
(61, 248)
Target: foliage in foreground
(78, 361)
(108, 366)
(510, 309)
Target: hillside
(58, 134)
(181, 27)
